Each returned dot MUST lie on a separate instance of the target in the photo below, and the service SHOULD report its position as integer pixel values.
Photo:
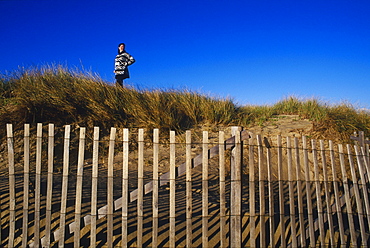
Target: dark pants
(119, 79)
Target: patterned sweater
(122, 61)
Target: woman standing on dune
(122, 61)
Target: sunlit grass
(63, 96)
(57, 94)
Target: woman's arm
(130, 59)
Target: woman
(122, 61)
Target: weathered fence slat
(366, 161)
(302, 229)
(327, 194)
(80, 166)
(271, 197)
(189, 198)
(366, 154)
(49, 192)
(94, 187)
(140, 187)
(172, 216)
(363, 143)
(236, 187)
(38, 183)
(155, 187)
(12, 200)
(205, 190)
(61, 234)
(125, 182)
(320, 211)
(338, 204)
(26, 181)
(221, 141)
(262, 203)
(252, 193)
(110, 199)
(281, 192)
(291, 194)
(311, 224)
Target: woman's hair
(124, 46)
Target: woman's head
(121, 47)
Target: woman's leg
(119, 81)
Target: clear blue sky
(255, 52)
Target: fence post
(281, 178)
(172, 236)
(9, 128)
(78, 199)
(366, 151)
(140, 188)
(205, 190)
(236, 190)
(319, 204)
(292, 207)
(125, 193)
(222, 189)
(261, 185)
(94, 187)
(252, 193)
(308, 192)
(270, 194)
(63, 204)
(361, 135)
(300, 196)
(26, 183)
(38, 183)
(364, 143)
(49, 193)
(155, 186)
(189, 198)
(110, 187)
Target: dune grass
(63, 96)
(57, 94)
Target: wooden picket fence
(243, 191)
